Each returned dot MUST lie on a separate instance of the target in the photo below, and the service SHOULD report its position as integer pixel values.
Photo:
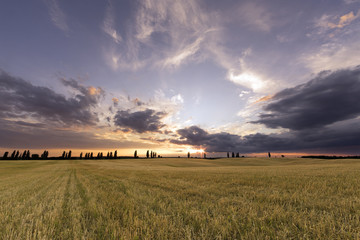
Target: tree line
(17, 155)
(26, 155)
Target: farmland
(171, 198)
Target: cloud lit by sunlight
(248, 79)
(344, 20)
(94, 91)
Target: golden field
(180, 198)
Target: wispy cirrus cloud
(109, 24)
(344, 20)
(330, 25)
(244, 75)
(339, 48)
(58, 17)
(332, 56)
(256, 17)
(169, 34)
(178, 58)
(164, 33)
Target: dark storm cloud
(344, 137)
(19, 98)
(141, 121)
(18, 135)
(329, 98)
(321, 116)
(224, 142)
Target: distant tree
(101, 155)
(152, 154)
(115, 154)
(135, 154)
(81, 155)
(43, 155)
(91, 155)
(237, 155)
(232, 154)
(269, 154)
(28, 154)
(23, 156)
(188, 154)
(5, 155)
(204, 155)
(228, 155)
(282, 156)
(147, 154)
(64, 154)
(111, 155)
(13, 154)
(17, 154)
(69, 155)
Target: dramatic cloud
(141, 121)
(322, 116)
(329, 98)
(226, 142)
(57, 15)
(19, 98)
(20, 135)
(343, 138)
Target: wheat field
(171, 198)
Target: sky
(175, 76)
